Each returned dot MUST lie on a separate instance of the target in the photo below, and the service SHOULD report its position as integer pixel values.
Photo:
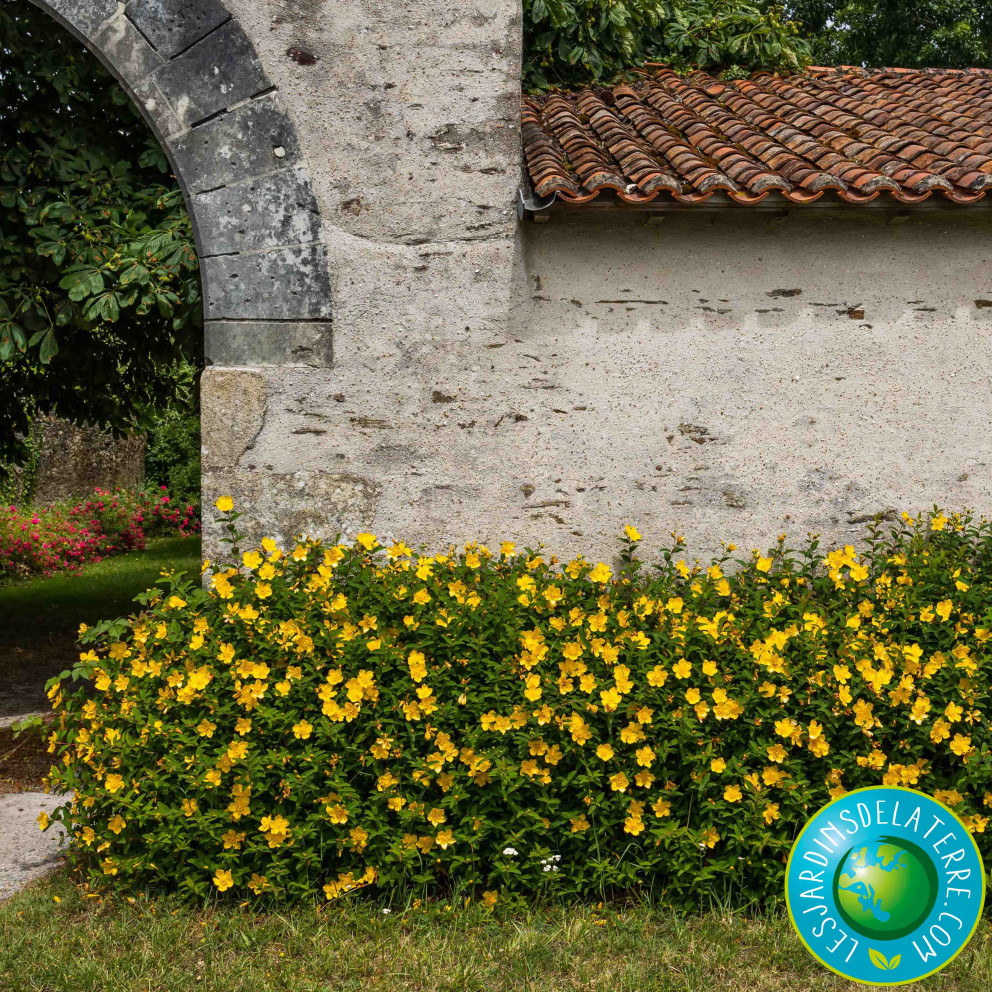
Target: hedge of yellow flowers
(322, 719)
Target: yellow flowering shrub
(321, 719)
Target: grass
(41, 618)
(104, 589)
(77, 944)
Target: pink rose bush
(63, 537)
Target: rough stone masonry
(390, 349)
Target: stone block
(85, 16)
(238, 343)
(278, 209)
(251, 140)
(285, 284)
(216, 73)
(123, 47)
(172, 26)
(149, 98)
(282, 506)
(232, 412)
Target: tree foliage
(99, 291)
(936, 33)
(573, 42)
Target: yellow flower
(770, 813)
(633, 825)
(489, 898)
(763, 564)
(710, 837)
(117, 823)
(631, 533)
(938, 522)
(940, 731)
(436, 817)
(43, 820)
(225, 504)
(961, 745)
(251, 559)
(601, 574)
(604, 752)
(113, 782)
(732, 793)
(445, 839)
(718, 765)
(302, 730)
(223, 880)
(619, 782)
(367, 541)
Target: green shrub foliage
(172, 455)
(576, 42)
(487, 722)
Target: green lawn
(39, 621)
(101, 590)
(78, 945)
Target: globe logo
(885, 885)
(885, 888)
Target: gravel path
(25, 852)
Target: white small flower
(554, 867)
(547, 868)
(556, 857)
(510, 852)
(386, 911)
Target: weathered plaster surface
(733, 379)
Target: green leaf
(878, 959)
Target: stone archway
(195, 75)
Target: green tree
(575, 42)
(99, 290)
(922, 33)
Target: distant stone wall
(75, 460)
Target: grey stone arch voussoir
(196, 77)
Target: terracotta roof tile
(857, 134)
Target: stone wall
(408, 114)
(733, 378)
(74, 460)
(716, 374)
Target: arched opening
(253, 227)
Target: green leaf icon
(894, 962)
(878, 959)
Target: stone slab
(148, 96)
(216, 73)
(233, 403)
(85, 16)
(123, 47)
(285, 284)
(231, 344)
(273, 210)
(174, 25)
(27, 853)
(251, 140)
(320, 502)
